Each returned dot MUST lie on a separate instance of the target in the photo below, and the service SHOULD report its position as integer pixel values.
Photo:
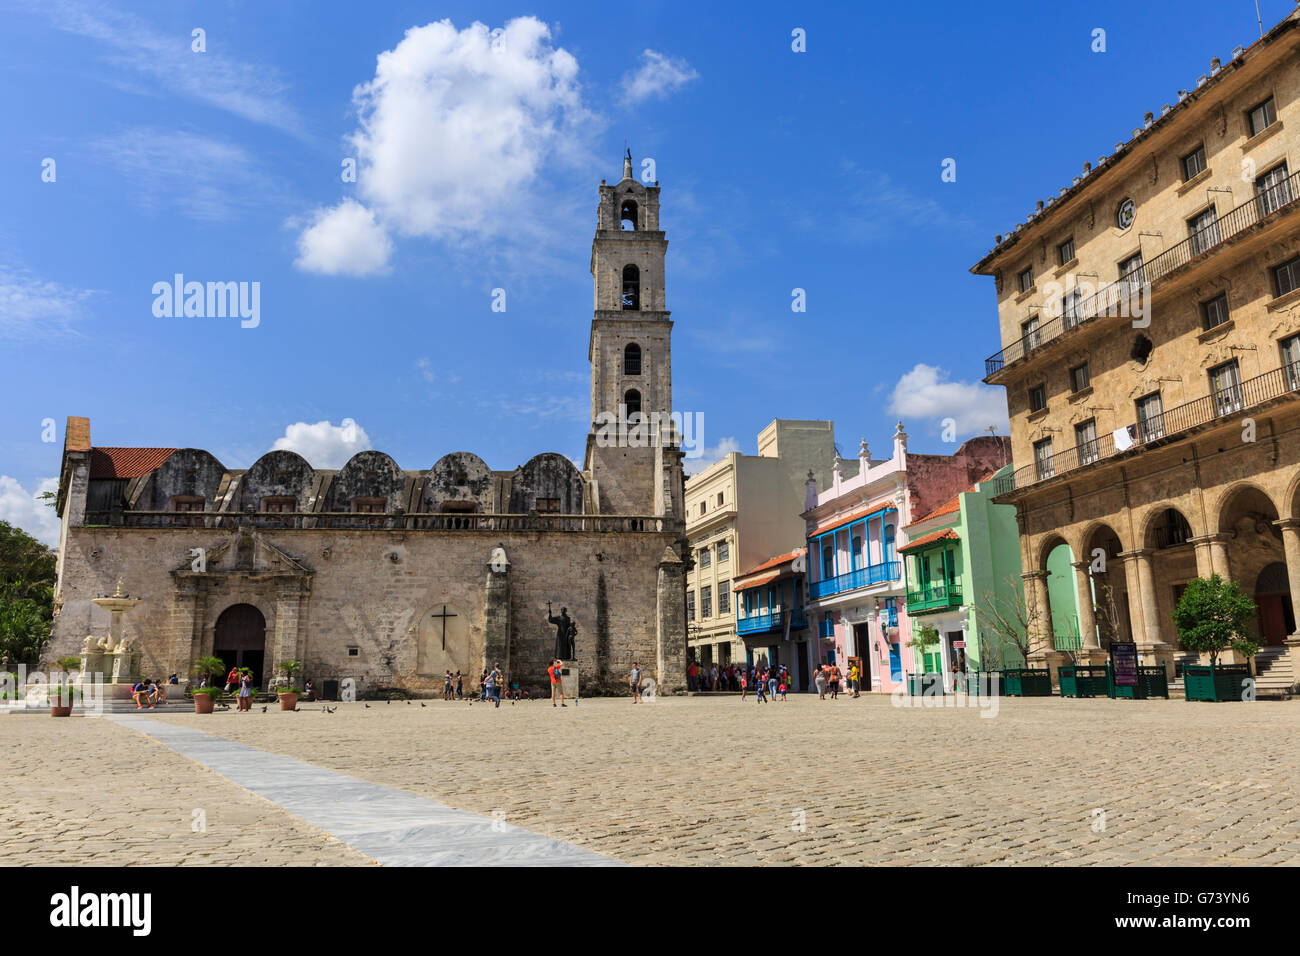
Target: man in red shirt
(232, 679)
(557, 689)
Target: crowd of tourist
(770, 683)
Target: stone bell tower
(633, 470)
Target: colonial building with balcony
(962, 559)
(855, 527)
(771, 618)
(1150, 321)
(740, 511)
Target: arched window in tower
(631, 404)
(631, 288)
(632, 360)
(627, 215)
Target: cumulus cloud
(657, 76)
(926, 393)
(344, 240)
(710, 455)
(454, 129)
(22, 509)
(324, 445)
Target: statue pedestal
(569, 678)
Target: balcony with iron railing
(1223, 404)
(771, 621)
(936, 597)
(236, 521)
(1269, 204)
(858, 578)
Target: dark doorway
(1273, 598)
(862, 642)
(240, 639)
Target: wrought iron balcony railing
(859, 578)
(770, 621)
(1222, 404)
(937, 597)
(1276, 200)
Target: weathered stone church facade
(391, 577)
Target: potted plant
(63, 694)
(923, 638)
(205, 697)
(288, 695)
(1212, 616)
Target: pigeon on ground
(389, 701)
(408, 703)
(367, 706)
(264, 708)
(421, 703)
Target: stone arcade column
(1204, 559)
(496, 611)
(1087, 612)
(289, 642)
(1151, 645)
(1291, 546)
(1043, 637)
(670, 624)
(186, 621)
(1219, 555)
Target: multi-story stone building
(740, 511)
(1150, 321)
(854, 528)
(387, 576)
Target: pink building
(856, 586)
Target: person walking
(493, 685)
(557, 689)
(833, 682)
(819, 679)
(446, 684)
(771, 685)
(460, 684)
(232, 679)
(760, 688)
(634, 678)
(246, 692)
(854, 679)
(744, 684)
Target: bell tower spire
(627, 163)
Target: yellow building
(1150, 321)
(740, 511)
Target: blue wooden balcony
(770, 621)
(859, 578)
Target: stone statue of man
(565, 632)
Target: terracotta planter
(289, 701)
(203, 704)
(56, 711)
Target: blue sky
(478, 158)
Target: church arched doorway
(1273, 598)
(240, 639)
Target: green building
(958, 557)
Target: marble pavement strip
(392, 827)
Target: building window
(1027, 279)
(354, 652)
(1065, 252)
(1130, 270)
(1262, 116)
(1085, 440)
(278, 504)
(1286, 277)
(368, 506)
(187, 503)
(1194, 163)
(631, 403)
(631, 288)
(1215, 312)
(690, 605)
(548, 506)
(706, 601)
(1151, 417)
(724, 597)
(1043, 458)
(1031, 337)
(702, 507)
(721, 499)
(1273, 190)
(1291, 360)
(632, 360)
(1080, 378)
(706, 557)
(1071, 311)
(627, 215)
(1204, 230)
(1038, 398)
(1142, 349)
(1225, 383)
(724, 552)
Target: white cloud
(710, 455)
(455, 130)
(200, 177)
(926, 393)
(166, 62)
(344, 240)
(22, 510)
(31, 306)
(322, 444)
(658, 75)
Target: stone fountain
(111, 656)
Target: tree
(290, 668)
(1213, 615)
(923, 638)
(27, 577)
(1012, 620)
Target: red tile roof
(773, 562)
(947, 534)
(126, 462)
(757, 582)
(953, 504)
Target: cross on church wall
(444, 615)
